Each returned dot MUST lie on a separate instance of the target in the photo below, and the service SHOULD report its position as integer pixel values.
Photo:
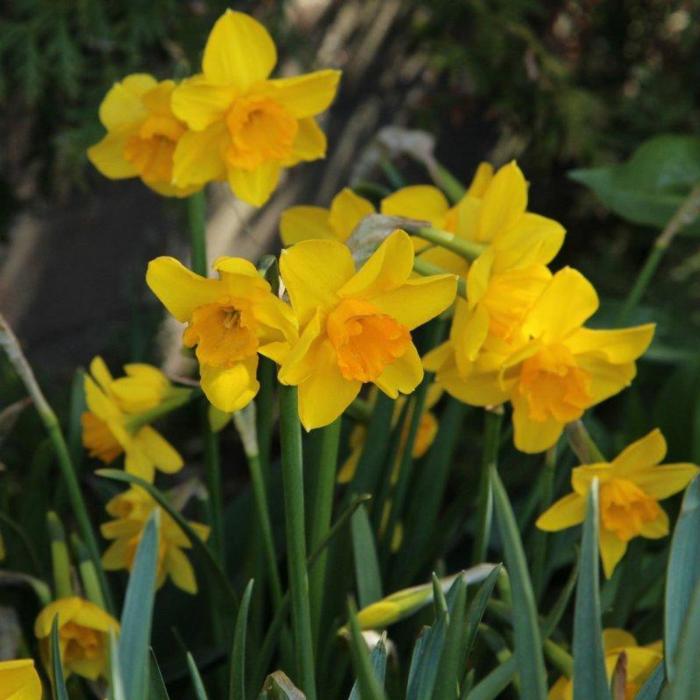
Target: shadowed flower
(131, 511)
(630, 488)
(19, 680)
(83, 630)
(142, 133)
(244, 127)
(355, 326)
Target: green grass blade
(526, 629)
(369, 581)
(236, 686)
(116, 683)
(157, 689)
(557, 611)
(197, 683)
(590, 678)
(425, 660)
(58, 684)
(370, 687)
(452, 660)
(682, 574)
(686, 682)
(378, 659)
(495, 682)
(478, 606)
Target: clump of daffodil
(641, 662)
(243, 126)
(355, 325)
(19, 680)
(131, 511)
(229, 320)
(142, 133)
(630, 488)
(553, 369)
(113, 425)
(83, 634)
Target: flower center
(625, 508)
(81, 643)
(554, 386)
(151, 148)
(261, 130)
(365, 340)
(98, 438)
(223, 333)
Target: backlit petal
(305, 95)
(641, 454)
(662, 482)
(199, 103)
(612, 549)
(403, 375)
(255, 186)
(566, 512)
(423, 202)
(231, 388)
(504, 201)
(305, 223)
(122, 105)
(198, 156)
(108, 156)
(347, 210)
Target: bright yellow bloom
(355, 326)
(553, 369)
(244, 127)
(230, 320)
(142, 133)
(113, 406)
(629, 490)
(131, 511)
(19, 680)
(83, 630)
(641, 662)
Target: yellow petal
(254, 186)
(299, 363)
(108, 156)
(231, 388)
(122, 105)
(657, 528)
(504, 201)
(436, 358)
(612, 549)
(662, 482)
(200, 103)
(239, 52)
(423, 202)
(90, 615)
(466, 215)
(582, 477)
(101, 373)
(309, 144)
(197, 158)
(615, 639)
(91, 669)
(535, 240)
(606, 379)
(138, 463)
(313, 272)
(115, 557)
(347, 210)
(641, 454)
(163, 455)
(19, 680)
(305, 223)
(566, 512)
(481, 180)
(533, 436)
(305, 95)
(618, 346)
(476, 388)
(563, 689)
(641, 662)
(180, 290)
(403, 375)
(180, 570)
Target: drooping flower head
(630, 488)
(142, 133)
(245, 127)
(83, 630)
(19, 680)
(555, 371)
(131, 511)
(355, 326)
(112, 426)
(229, 321)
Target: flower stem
(293, 487)
(212, 468)
(492, 436)
(63, 588)
(425, 268)
(197, 217)
(546, 488)
(467, 249)
(582, 444)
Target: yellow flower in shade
(131, 511)
(630, 488)
(83, 630)
(229, 320)
(142, 133)
(19, 680)
(244, 127)
(355, 326)
(114, 405)
(641, 662)
(555, 370)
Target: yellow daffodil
(641, 662)
(244, 127)
(19, 680)
(111, 426)
(131, 511)
(230, 320)
(630, 488)
(83, 630)
(557, 369)
(355, 326)
(142, 133)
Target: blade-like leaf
(197, 683)
(369, 582)
(426, 659)
(687, 679)
(116, 683)
(478, 606)
(236, 686)
(651, 690)
(378, 659)
(495, 682)
(452, 659)
(157, 690)
(370, 687)
(58, 685)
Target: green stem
(197, 218)
(212, 468)
(467, 249)
(447, 182)
(392, 174)
(321, 517)
(559, 658)
(60, 560)
(264, 413)
(582, 444)
(293, 487)
(425, 268)
(546, 488)
(492, 437)
(88, 575)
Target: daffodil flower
(19, 680)
(83, 630)
(630, 488)
(556, 370)
(355, 326)
(229, 320)
(114, 404)
(245, 127)
(142, 133)
(641, 662)
(131, 511)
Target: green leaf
(652, 184)
(682, 574)
(236, 686)
(527, 638)
(197, 683)
(116, 683)
(369, 581)
(378, 659)
(60, 692)
(277, 686)
(370, 687)
(452, 660)
(495, 682)
(478, 606)
(157, 690)
(652, 688)
(137, 613)
(686, 682)
(590, 679)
